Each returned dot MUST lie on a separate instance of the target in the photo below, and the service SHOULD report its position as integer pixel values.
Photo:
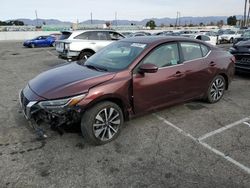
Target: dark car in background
(125, 79)
(241, 52)
(41, 41)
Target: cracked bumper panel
(27, 100)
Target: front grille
(24, 100)
(243, 59)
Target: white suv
(76, 45)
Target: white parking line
(199, 141)
(50, 53)
(245, 168)
(175, 127)
(246, 123)
(223, 129)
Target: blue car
(41, 41)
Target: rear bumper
(68, 55)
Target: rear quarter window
(204, 50)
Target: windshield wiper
(96, 68)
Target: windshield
(117, 56)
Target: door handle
(178, 74)
(212, 64)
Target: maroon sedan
(124, 79)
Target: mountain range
(158, 21)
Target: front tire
(216, 89)
(102, 123)
(32, 45)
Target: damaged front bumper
(55, 116)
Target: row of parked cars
(126, 78)
(78, 45)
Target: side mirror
(148, 68)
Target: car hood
(67, 80)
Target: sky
(80, 10)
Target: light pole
(36, 18)
(245, 11)
(247, 24)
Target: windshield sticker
(138, 45)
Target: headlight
(60, 103)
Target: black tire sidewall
(88, 120)
(82, 54)
(209, 99)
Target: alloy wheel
(106, 124)
(217, 89)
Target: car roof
(81, 31)
(78, 32)
(163, 39)
(157, 39)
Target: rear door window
(93, 35)
(191, 51)
(83, 36)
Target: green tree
(151, 24)
(231, 20)
(12, 22)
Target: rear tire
(216, 89)
(231, 40)
(85, 54)
(102, 123)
